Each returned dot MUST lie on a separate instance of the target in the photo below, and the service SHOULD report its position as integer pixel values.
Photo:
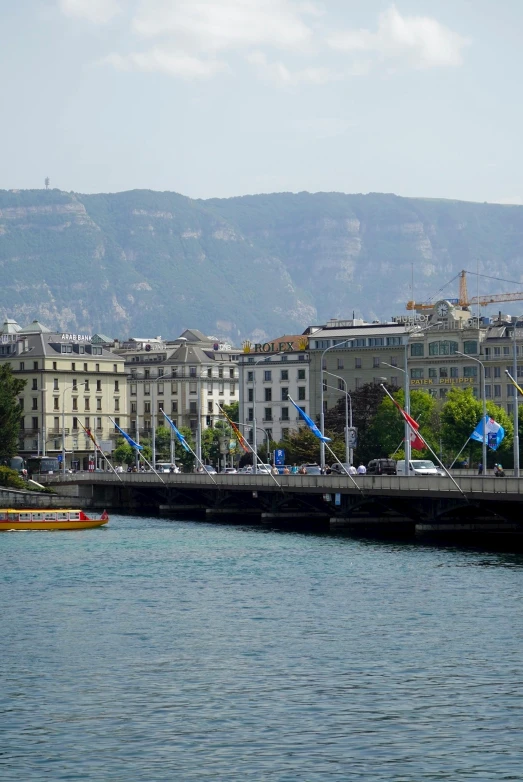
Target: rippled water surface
(159, 650)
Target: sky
(217, 98)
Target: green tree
(233, 411)
(461, 414)
(124, 454)
(387, 430)
(163, 444)
(10, 412)
(183, 457)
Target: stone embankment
(14, 498)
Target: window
(340, 363)
(73, 367)
(133, 389)
(250, 395)
(393, 361)
(147, 407)
(417, 349)
(98, 404)
(159, 389)
(510, 390)
(98, 385)
(209, 372)
(174, 406)
(497, 371)
(35, 423)
(393, 340)
(35, 403)
(341, 384)
(35, 384)
(67, 348)
(470, 371)
(87, 423)
(174, 388)
(506, 352)
(210, 407)
(232, 389)
(35, 366)
(375, 341)
(394, 380)
(193, 408)
(97, 367)
(231, 373)
(268, 394)
(21, 402)
(75, 403)
(487, 371)
(250, 376)
(497, 351)
(284, 375)
(433, 372)
(209, 388)
(221, 389)
(454, 372)
(267, 375)
(470, 346)
(54, 366)
(85, 368)
(22, 366)
(301, 374)
(285, 414)
(146, 389)
(56, 423)
(115, 367)
(96, 351)
(133, 407)
(497, 390)
(117, 386)
(267, 416)
(416, 373)
(86, 403)
(284, 393)
(301, 392)
(442, 348)
(375, 361)
(321, 344)
(56, 403)
(75, 423)
(55, 384)
(81, 349)
(250, 414)
(98, 423)
(220, 371)
(443, 372)
(192, 371)
(284, 434)
(357, 363)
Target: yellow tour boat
(16, 519)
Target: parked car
(311, 469)
(247, 470)
(341, 468)
(229, 471)
(418, 467)
(208, 468)
(265, 469)
(381, 467)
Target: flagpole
(249, 446)
(99, 449)
(458, 487)
(186, 444)
(138, 450)
(460, 452)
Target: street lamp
(322, 413)
(484, 395)
(516, 405)
(249, 425)
(348, 398)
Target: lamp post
(484, 397)
(516, 402)
(249, 424)
(322, 413)
(348, 398)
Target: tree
(233, 411)
(125, 454)
(10, 412)
(183, 457)
(163, 444)
(461, 414)
(387, 429)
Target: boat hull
(49, 526)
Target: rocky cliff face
(144, 262)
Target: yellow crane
(464, 300)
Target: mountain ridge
(145, 261)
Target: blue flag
(310, 423)
(495, 432)
(128, 437)
(179, 435)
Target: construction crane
(464, 301)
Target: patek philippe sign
(76, 337)
(449, 381)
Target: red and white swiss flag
(416, 440)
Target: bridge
(411, 505)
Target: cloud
(177, 64)
(418, 41)
(96, 11)
(215, 25)
(280, 74)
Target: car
(247, 470)
(208, 468)
(382, 467)
(265, 469)
(341, 468)
(311, 469)
(418, 467)
(229, 471)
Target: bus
(42, 464)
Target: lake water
(174, 651)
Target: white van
(418, 467)
(166, 467)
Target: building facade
(70, 384)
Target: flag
(514, 382)
(90, 436)
(416, 440)
(310, 423)
(239, 435)
(495, 432)
(179, 435)
(127, 437)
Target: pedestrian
(294, 469)
(480, 468)
(362, 469)
(352, 470)
(286, 470)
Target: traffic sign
(279, 457)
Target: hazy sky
(227, 97)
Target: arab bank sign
(76, 337)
